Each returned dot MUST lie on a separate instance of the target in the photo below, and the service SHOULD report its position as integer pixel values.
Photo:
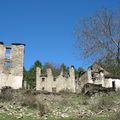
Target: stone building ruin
(50, 83)
(96, 75)
(11, 65)
(11, 74)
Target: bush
(103, 103)
(66, 91)
(42, 109)
(7, 93)
(106, 102)
(84, 100)
(32, 102)
(115, 116)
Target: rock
(64, 115)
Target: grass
(96, 118)
(59, 103)
(61, 119)
(9, 117)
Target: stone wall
(11, 65)
(84, 79)
(81, 82)
(96, 75)
(55, 84)
(109, 83)
(2, 56)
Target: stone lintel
(1, 43)
(8, 46)
(18, 44)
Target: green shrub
(84, 100)
(115, 116)
(7, 94)
(66, 91)
(103, 103)
(31, 101)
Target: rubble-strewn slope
(27, 105)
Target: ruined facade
(11, 65)
(11, 74)
(50, 83)
(97, 75)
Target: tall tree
(37, 64)
(110, 65)
(64, 68)
(100, 34)
(54, 67)
(30, 75)
(80, 72)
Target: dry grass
(7, 94)
(32, 102)
(115, 116)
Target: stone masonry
(95, 75)
(98, 76)
(11, 74)
(51, 84)
(11, 65)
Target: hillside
(32, 105)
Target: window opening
(113, 85)
(43, 79)
(43, 88)
(7, 64)
(7, 54)
(54, 89)
(8, 50)
(54, 79)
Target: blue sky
(47, 27)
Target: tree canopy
(99, 35)
(30, 75)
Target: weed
(7, 94)
(115, 116)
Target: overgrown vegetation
(34, 103)
(38, 106)
(7, 94)
(103, 103)
(115, 116)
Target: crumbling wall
(11, 65)
(17, 58)
(99, 79)
(84, 79)
(52, 84)
(96, 75)
(109, 83)
(2, 56)
(81, 82)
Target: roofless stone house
(50, 83)
(11, 65)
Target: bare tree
(100, 34)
